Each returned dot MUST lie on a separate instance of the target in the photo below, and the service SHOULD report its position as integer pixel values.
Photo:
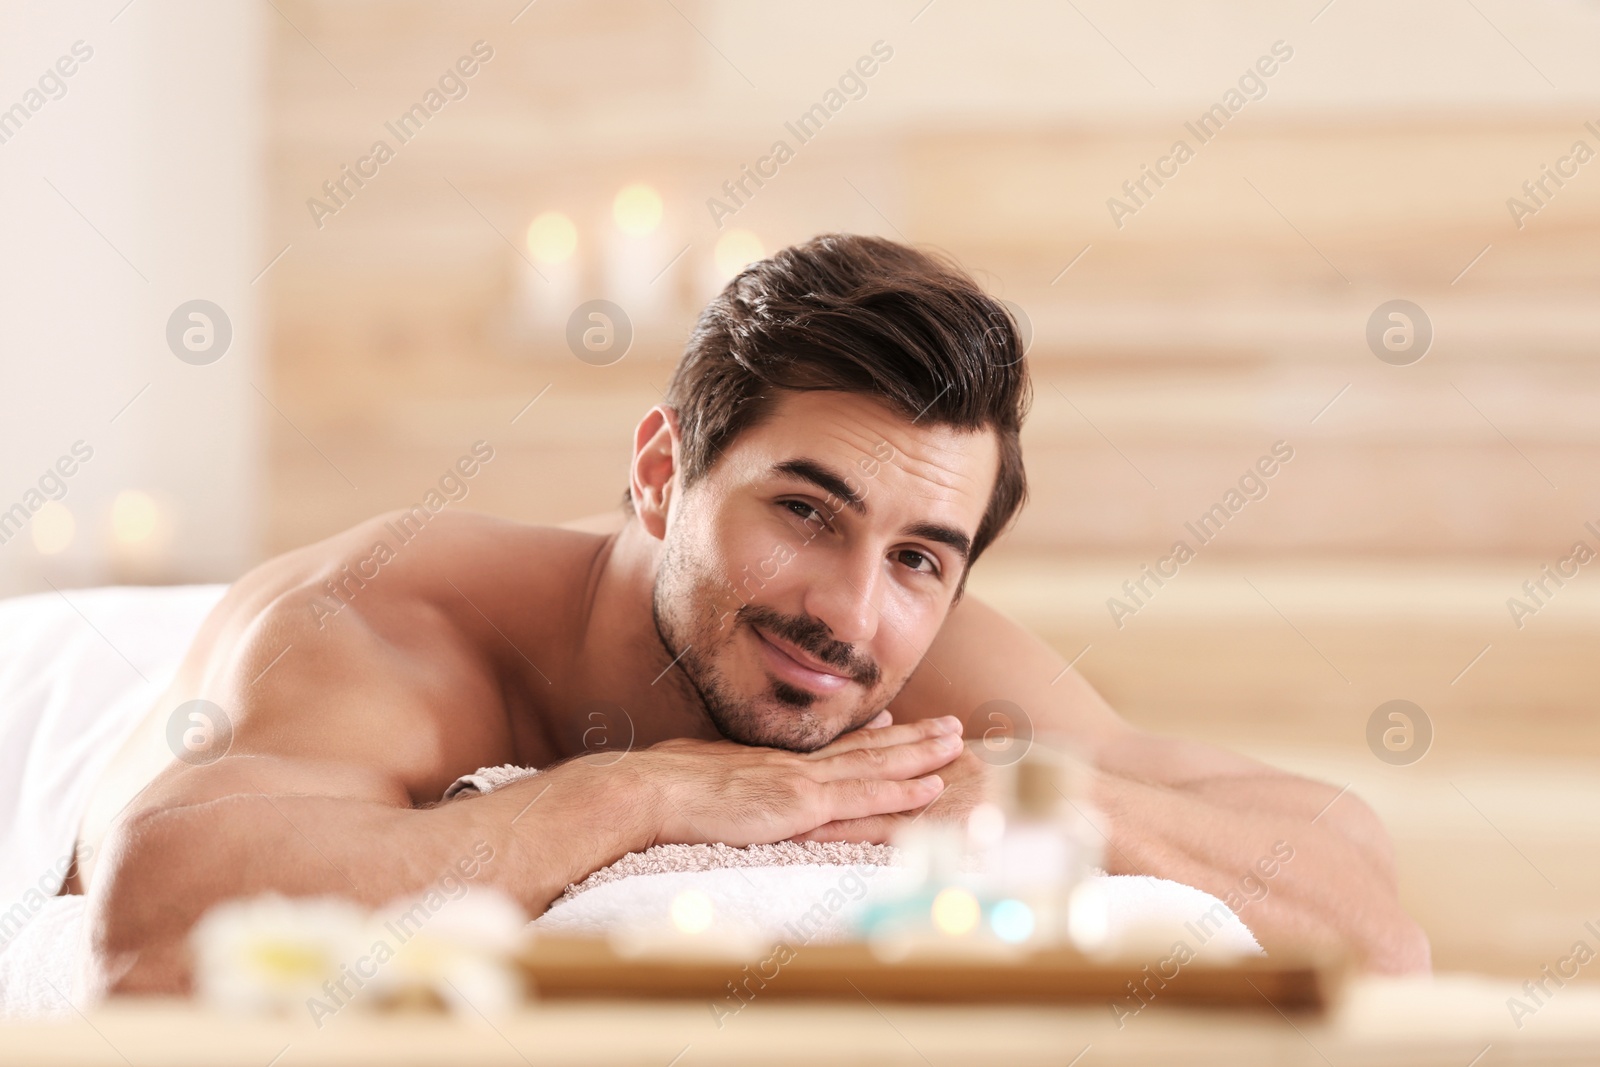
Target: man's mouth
(797, 667)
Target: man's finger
(892, 762)
(861, 798)
(876, 829)
(880, 720)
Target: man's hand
(968, 782)
(708, 791)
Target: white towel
(805, 903)
(78, 670)
(487, 780)
(765, 890)
(38, 969)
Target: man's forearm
(164, 869)
(558, 827)
(1230, 780)
(1329, 807)
(1333, 891)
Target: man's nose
(844, 597)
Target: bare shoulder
(392, 644)
(425, 586)
(408, 554)
(396, 561)
(982, 655)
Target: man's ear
(655, 467)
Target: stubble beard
(789, 723)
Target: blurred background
(242, 325)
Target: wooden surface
(1450, 1022)
(586, 968)
(1225, 315)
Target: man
(776, 624)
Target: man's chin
(768, 723)
(771, 721)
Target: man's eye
(915, 560)
(803, 510)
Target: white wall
(155, 144)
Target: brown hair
(859, 315)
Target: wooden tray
(565, 968)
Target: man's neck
(622, 659)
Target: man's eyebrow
(824, 478)
(944, 535)
(809, 470)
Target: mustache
(814, 637)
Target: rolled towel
(830, 879)
(663, 859)
(487, 780)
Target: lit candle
(638, 250)
(547, 282)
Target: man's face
(804, 577)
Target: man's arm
(339, 727)
(334, 751)
(164, 867)
(1181, 809)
